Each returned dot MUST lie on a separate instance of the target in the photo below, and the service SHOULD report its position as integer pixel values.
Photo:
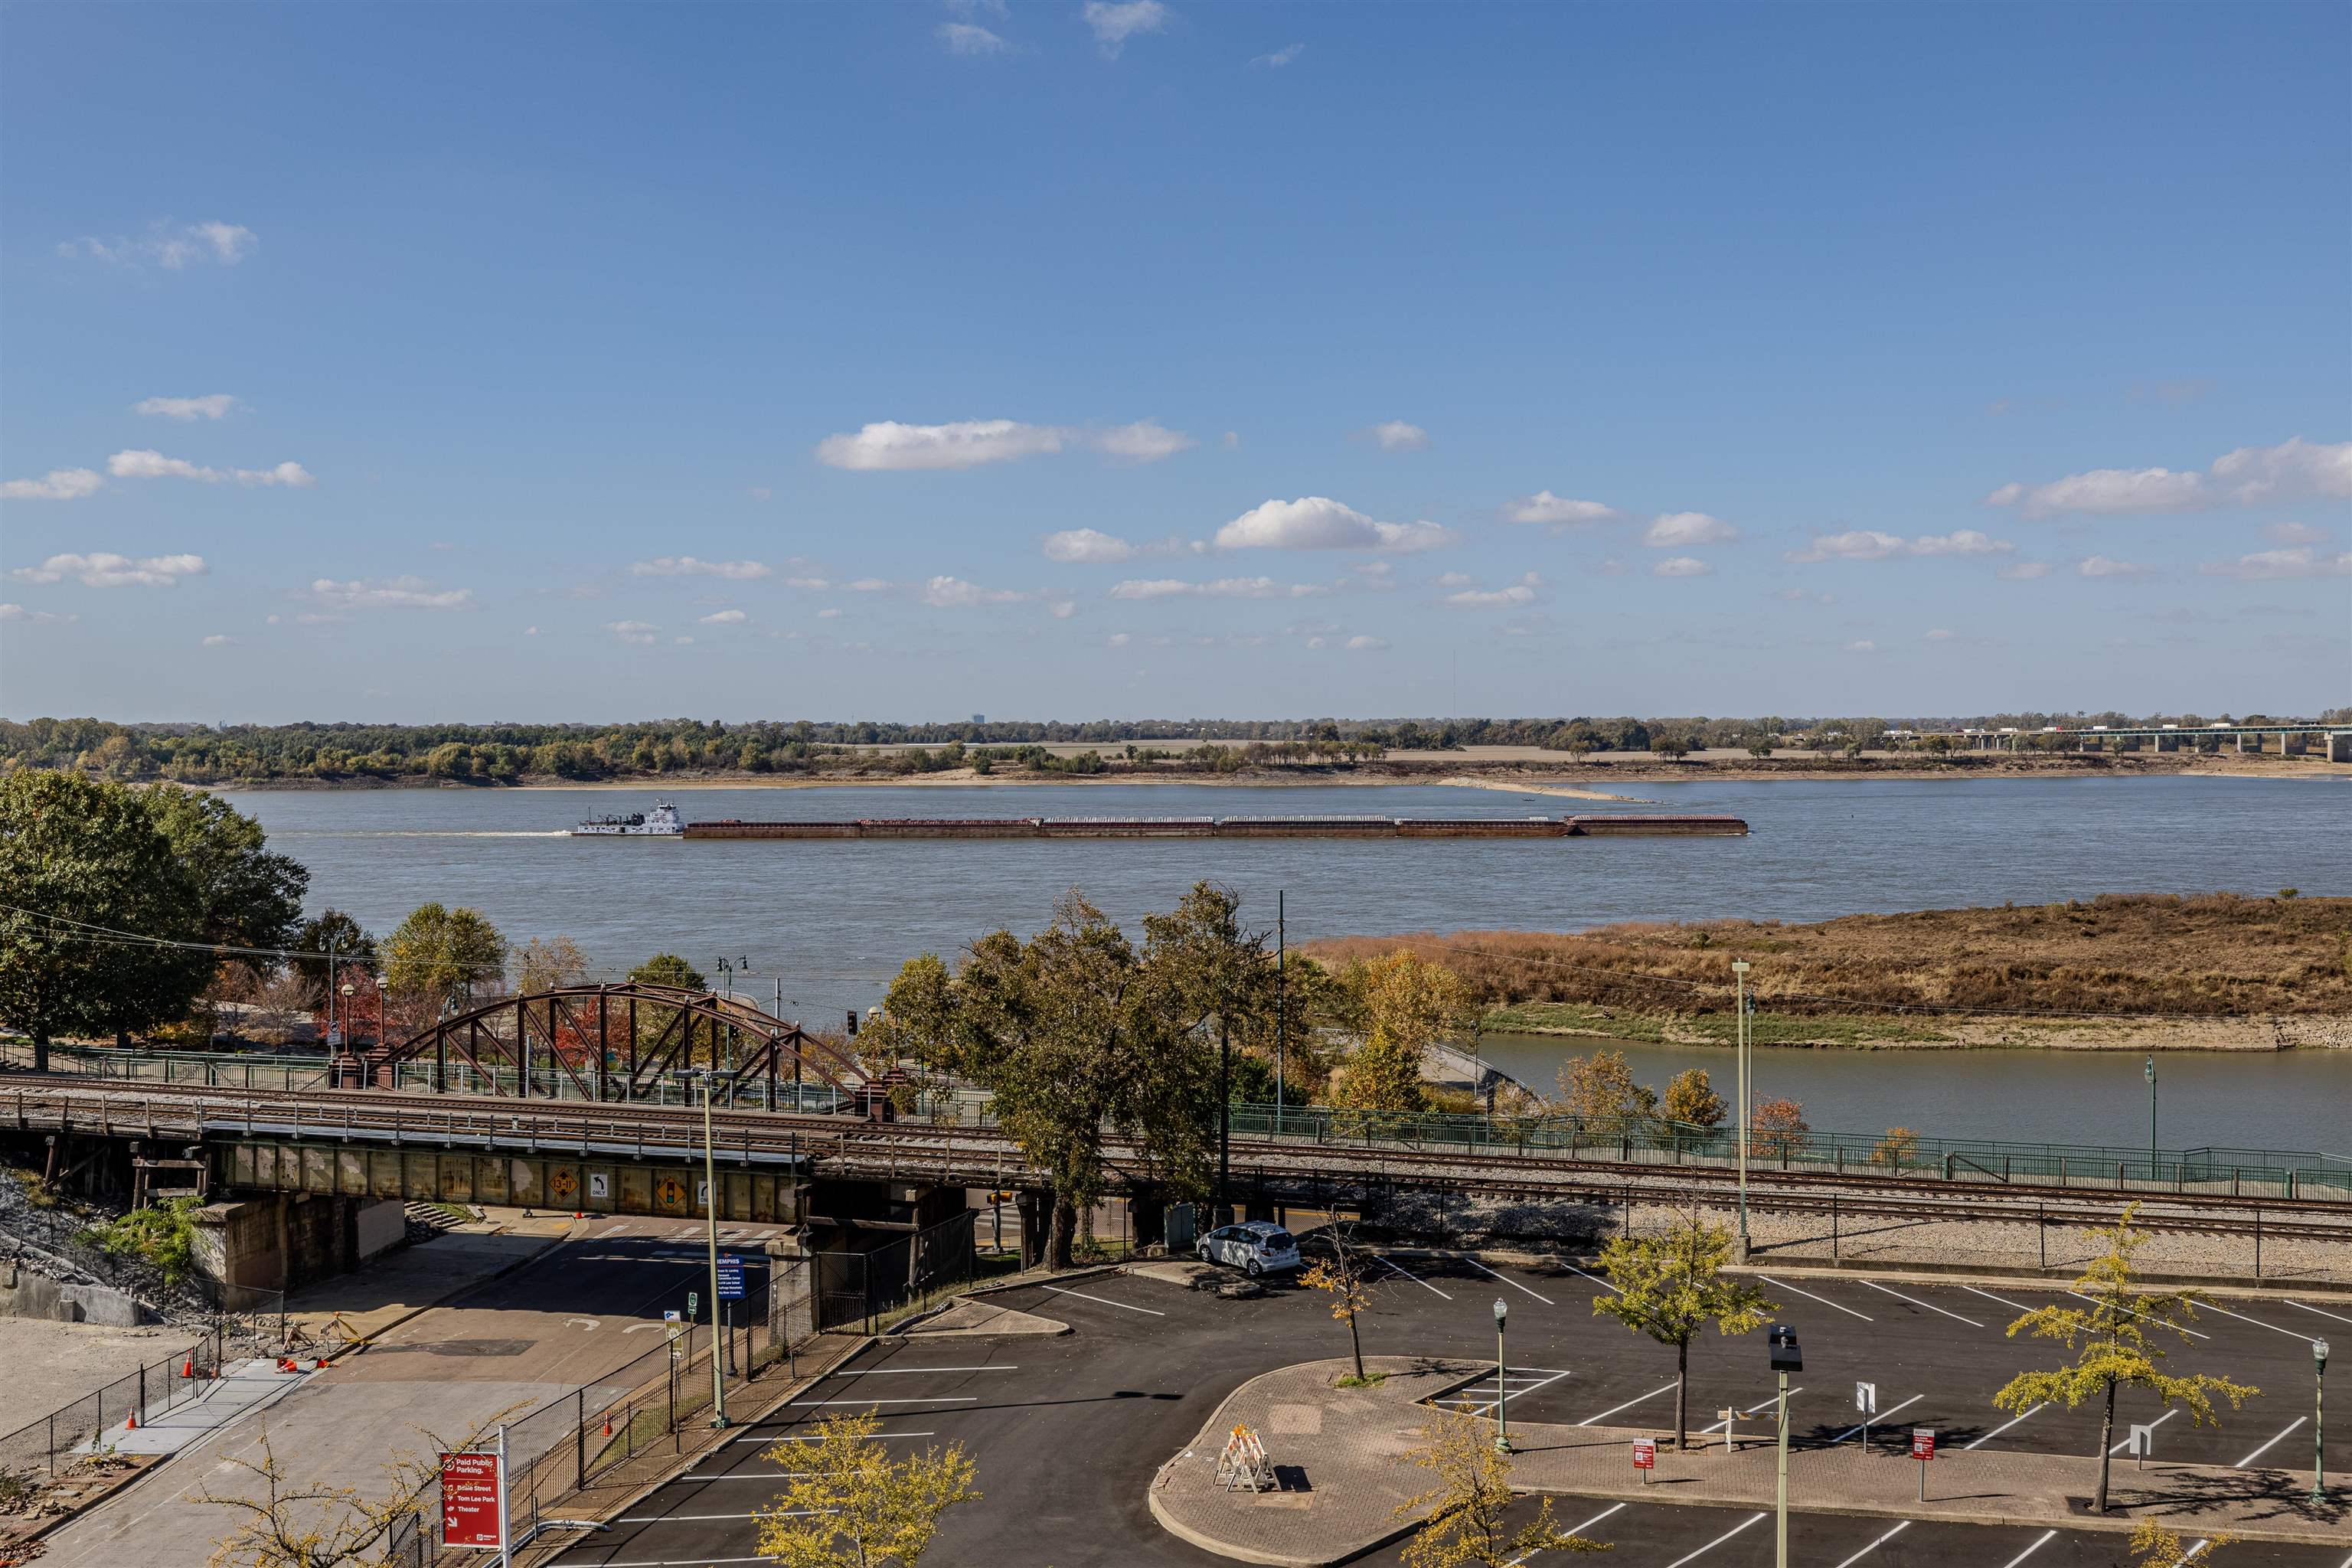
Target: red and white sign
(1645, 1454)
(1923, 1443)
(470, 1499)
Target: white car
(1258, 1247)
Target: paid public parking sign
(1923, 1443)
(470, 1514)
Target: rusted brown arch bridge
(594, 1036)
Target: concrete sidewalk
(248, 1386)
(1340, 1456)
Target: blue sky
(910, 360)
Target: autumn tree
(1600, 1090)
(1467, 1522)
(1897, 1149)
(2111, 1337)
(1778, 1127)
(439, 955)
(1691, 1099)
(282, 1522)
(1400, 1003)
(1342, 1274)
(847, 1504)
(1670, 1287)
(668, 969)
(550, 965)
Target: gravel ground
(50, 1364)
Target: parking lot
(1066, 1431)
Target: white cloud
(1965, 541)
(35, 618)
(2295, 470)
(1681, 530)
(1805, 595)
(226, 243)
(2281, 565)
(1317, 642)
(688, 566)
(969, 40)
(318, 618)
(1396, 436)
(1557, 511)
(635, 634)
(682, 642)
(1366, 644)
(997, 8)
(1229, 440)
(1318, 522)
(106, 570)
(1940, 633)
(1119, 639)
(1865, 645)
(149, 464)
(725, 618)
(954, 593)
(869, 585)
(1279, 58)
(1145, 441)
(2295, 534)
(2024, 572)
(58, 484)
(2107, 566)
(218, 639)
(212, 405)
(1115, 21)
(389, 594)
(1682, 566)
(829, 615)
(1063, 609)
(1522, 592)
(1860, 544)
(962, 444)
(1222, 588)
(1089, 546)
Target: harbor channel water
(830, 921)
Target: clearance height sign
(471, 1499)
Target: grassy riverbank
(2121, 972)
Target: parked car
(1258, 1247)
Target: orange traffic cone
(608, 1423)
(188, 1367)
(132, 1424)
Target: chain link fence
(57, 1441)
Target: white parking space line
(1917, 1302)
(657, 1563)
(1637, 1399)
(2012, 1306)
(1106, 1300)
(2047, 1537)
(1754, 1408)
(1508, 1280)
(1877, 1419)
(2190, 1555)
(2157, 1422)
(936, 1399)
(914, 1371)
(2005, 1427)
(1580, 1530)
(1718, 1540)
(2274, 1328)
(2338, 1316)
(2135, 1312)
(1875, 1545)
(1824, 1300)
(1517, 1382)
(1596, 1278)
(2266, 1447)
(1411, 1276)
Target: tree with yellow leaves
(2155, 1545)
(849, 1505)
(1401, 1004)
(1342, 1275)
(1466, 1525)
(2110, 1337)
(286, 1522)
(1670, 1287)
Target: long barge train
(1593, 826)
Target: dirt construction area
(50, 1364)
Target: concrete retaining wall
(25, 1294)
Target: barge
(1593, 826)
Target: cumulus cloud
(954, 593)
(1865, 645)
(869, 585)
(635, 634)
(1119, 639)
(1089, 546)
(1522, 592)
(1365, 644)
(58, 484)
(218, 639)
(970, 39)
(1557, 511)
(2295, 534)
(725, 618)
(1682, 566)
(212, 405)
(1318, 522)
(169, 246)
(35, 618)
(961, 444)
(2024, 571)
(2281, 565)
(1681, 530)
(1115, 21)
(1145, 441)
(1063, 609)
(106, 570)
(1396, 436)
(149, 464)
(688, 566)
(1222, 588)
(812, 583)
(1965, 541)
(1940, 633)
(1870, 544)
(2295, 470)
(389, 594)
(1278, 58)
(2107, 567)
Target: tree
(247, 897)
(76, 853)
(1343, 1276)
(550, 965)
(1401, 1002)
(2155, 1545)
(848, 1505)
(2109, 1337)
(1671, 747)
(1671, 1287)
(1466, 1524)
(293, 1523)
(334, 932)
(439, 955)
(1897, 1149)
(1778, 1127)
(668, 969)
(1599, 1089)
(1691, 1098)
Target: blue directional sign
(730, 1277)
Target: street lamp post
(344, 1034)
(2318, 1422)
(1786, 1358)
(710, 1212)
(1502, 1389)
(2151, 1118)
(1739, 973)
(1281, 1024)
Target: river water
(832, 922)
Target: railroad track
(838, 1146)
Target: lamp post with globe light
(1502, 1389)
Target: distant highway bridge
(2289, 739)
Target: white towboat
(661, 822)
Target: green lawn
(1712, 1029)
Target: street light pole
(1502, 1389)
(2151, 1118)
(710, 1211)
(2318, 1423)
(1224, 1117)
(1281, 1032)
(1786, 1358)
(1739, 973)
